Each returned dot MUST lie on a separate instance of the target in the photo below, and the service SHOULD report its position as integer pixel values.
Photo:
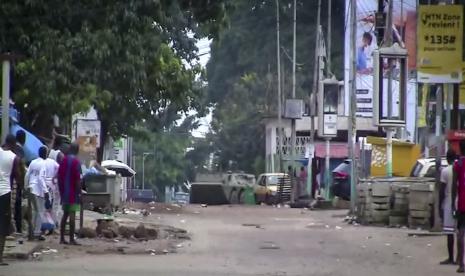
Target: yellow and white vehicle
(272, 188)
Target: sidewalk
(15, 250)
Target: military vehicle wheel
(256, 199)
(241, 197)
(233, 197)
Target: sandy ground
(262, 240)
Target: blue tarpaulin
(31, 148)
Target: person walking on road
(302, 181)
(35, 179)
(446, 205)
(18, 188)
(458, 204)
(69, 183)
(51, 172)
(56, 150)
(9, 164)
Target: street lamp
(144, 155)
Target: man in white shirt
(9, 164)
(35, 180)
(445, 199)
(51, 171)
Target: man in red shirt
(69, 183)
(458, 204)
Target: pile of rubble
(110, 229)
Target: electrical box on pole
(390, 86)
(294, 109)
(328, 103)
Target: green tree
(167, 160)
(131, 59)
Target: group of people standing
(301, 180)
(51, 185)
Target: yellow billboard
(440, 43)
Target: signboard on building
(404, 33)
(120, 149)
(309, 151)
(330, 124)
(440, 43)
(88, 128)
(364, 102)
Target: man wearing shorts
(69, 183)
(446, 206)
(9, 164)
(458, 203)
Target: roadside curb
(426, 234)
(14, 250)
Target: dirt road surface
(266, 241)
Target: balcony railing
(285, 146)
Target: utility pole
(134, 184)
(328, 75)
(294, 52)
(316, 70)
(278, 61)
(352, 108)
(389, 130)
(328, 44)
(144, 155)
(439, 139)
(439, 143)
(293, 121)
(5, 95)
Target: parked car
(426, 167)
(272, 188)
(341, 180)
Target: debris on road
(87, 232)
(126, 232)
(269, 245)
(141, 232)
(152, 233)
(49, 251)
(251, 225)
(146, 213)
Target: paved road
(264, 241)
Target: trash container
(104, 184)
(249, 197)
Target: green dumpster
(249, 198)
